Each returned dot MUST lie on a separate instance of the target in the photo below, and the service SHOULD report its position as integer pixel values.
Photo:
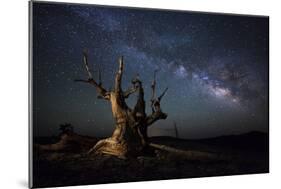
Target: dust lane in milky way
(216, 68)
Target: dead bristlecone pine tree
(130, 135)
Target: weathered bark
(130, 134)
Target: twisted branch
(103, 93)
(155, 104)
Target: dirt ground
(241, 154)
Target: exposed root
(111, 147)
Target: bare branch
(102, 91)
(121, 65)
(153, 85)
(134, 88)
(118, 76)
(85, 60)
(130, 91)
(161, 96)
(176, 130)
(155, 104)
(155, 116)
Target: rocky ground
(65, 163)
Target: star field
(216, 68)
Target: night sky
(215, 65)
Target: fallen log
(189, 154)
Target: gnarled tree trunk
(130, 135)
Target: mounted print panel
(130, 94)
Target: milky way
(216, 68)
